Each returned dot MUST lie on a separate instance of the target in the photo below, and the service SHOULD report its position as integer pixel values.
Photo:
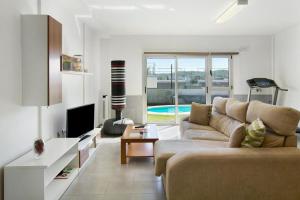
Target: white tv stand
(28, 178)
(88, 146)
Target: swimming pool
(169, 109)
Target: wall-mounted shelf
(77, 73)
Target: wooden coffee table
(134, 144)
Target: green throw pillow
(255, 134)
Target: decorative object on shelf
(66, 62)
(61, 134)
(38, 147)
(118, 99)
(77, 64)
(70, 63)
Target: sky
(186, 64)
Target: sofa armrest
(183, 125)
(234, 173)
(187, 118)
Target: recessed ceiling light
(172, 9)
(232, 10)
(115, 7)
(155, 6)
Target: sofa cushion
(186, 125)
(200, 113)
(223, 123)
(165, 149)
(290, 141)
(273, 140)
(204, 135)
(255, 134)
(282, 120)
(237, 137)
(219, 105)
(236, 109)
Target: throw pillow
(237, 136)
(200, 114)
(255, 134)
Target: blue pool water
(169, 109)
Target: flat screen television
(80, 120)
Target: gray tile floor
(104, 178)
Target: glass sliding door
(191, 82)
(161, 83)
(220, 76)
(174, 82)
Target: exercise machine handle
(283, 89)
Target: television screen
(80, 120)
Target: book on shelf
(65, 173)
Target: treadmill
(258, 83)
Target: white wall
(19, 124)
(254, 60)
(287, 65)
(84, 89)
(92, 64)
(72, 29)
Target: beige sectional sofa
(201, 165)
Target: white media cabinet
(89, 144)
(28, 178)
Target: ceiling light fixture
(232, 10)
(154, 7)
(115, 7)
(172, 9)
(84, 16)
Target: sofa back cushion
(219, 105)
(223, 123)
(236, 109)
(200, 114)
(273, 140)
(282, 120)
(290, 141)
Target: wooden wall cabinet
(41, 55)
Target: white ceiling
(188, 17)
